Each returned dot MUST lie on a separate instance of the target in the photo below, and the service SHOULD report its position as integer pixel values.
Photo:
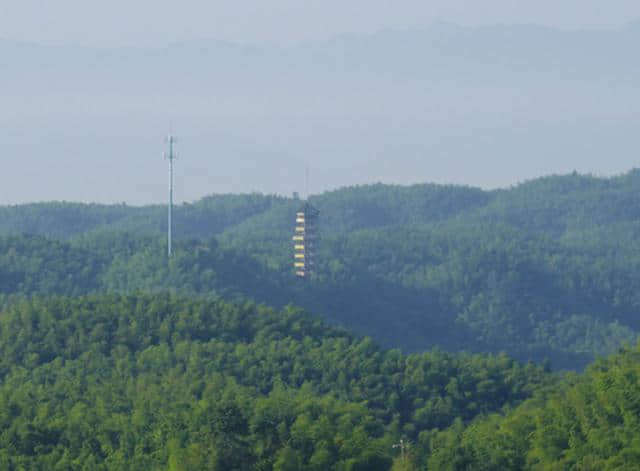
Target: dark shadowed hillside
(546, 269)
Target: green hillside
(165, 382)
(589, 422)
(207, 217)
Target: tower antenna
(171, 156)
(306, 181)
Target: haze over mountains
(485, 106)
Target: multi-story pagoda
(304, 240)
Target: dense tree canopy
(157, 381)
(589, 422)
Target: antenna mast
(306, 182)
(171, 156)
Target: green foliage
(163, 382)
(209, 216)
(590, 422)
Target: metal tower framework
(171, 156)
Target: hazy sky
(156, 22)
(407, 107)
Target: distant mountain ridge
(481, 106)
(442, 51)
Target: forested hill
(165, 382)
(345, 210)
(588, 422)
(207, 217)
(546, 269)
(168, 382)
(554, 205)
